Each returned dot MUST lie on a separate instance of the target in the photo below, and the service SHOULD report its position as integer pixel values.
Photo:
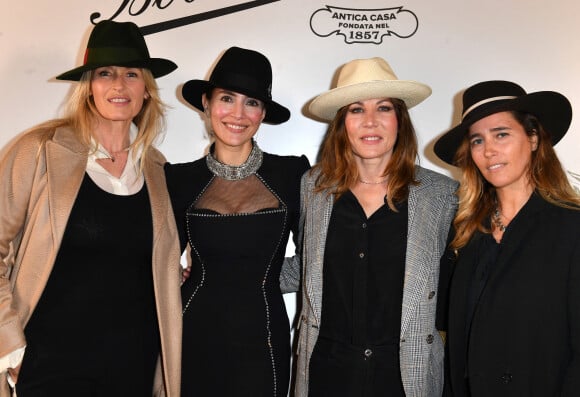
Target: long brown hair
(478, 198)
(338, 170)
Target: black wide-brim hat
(244, 71)
(552, 109)
(118, 44)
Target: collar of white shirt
(131, 180)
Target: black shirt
(357, 351)
(364, 266)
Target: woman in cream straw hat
(514, 300)
(376, 226)
(90, 298)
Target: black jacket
(524, 338)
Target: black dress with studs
(236, 333)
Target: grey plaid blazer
(432, 205)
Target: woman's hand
(186, 273)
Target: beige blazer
(39, 180)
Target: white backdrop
(448, 44)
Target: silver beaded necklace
(496, 219)
(236, 172)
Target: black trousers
(343, 370)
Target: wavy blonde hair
(81, 114)
(338, 170)
(478, 198)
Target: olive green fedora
(118, 44)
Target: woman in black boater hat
(235, 208)
(514, 311)
(90, 298)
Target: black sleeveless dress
(236, 333)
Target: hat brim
(193, 90)
(327, 104)
(158, 66)
(552, 109)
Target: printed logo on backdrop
(364, 26)
(138, 7)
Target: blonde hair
(338, 170)
(81, 114)
(478, 199)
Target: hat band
(483, 102)
(113, 55)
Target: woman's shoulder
(39, 135)
(556, 222)
(190, 167)
(30, 142)
(568, 212)
(287, 161)
(436, 179)
(156, 156)
(283, 168)
(283, 173)
(195, 172)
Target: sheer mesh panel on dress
(235, 197)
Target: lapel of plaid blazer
(318, 208)
(416, 271)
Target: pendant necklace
(496, 219)
(108, 155)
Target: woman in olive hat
(514, 300)
(90, 297)
(235, 208)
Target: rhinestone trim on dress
(283, 209)
(263, 287)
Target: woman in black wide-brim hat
(90, 298)
(514, 302)
(235, 208)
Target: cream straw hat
(363, 79)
